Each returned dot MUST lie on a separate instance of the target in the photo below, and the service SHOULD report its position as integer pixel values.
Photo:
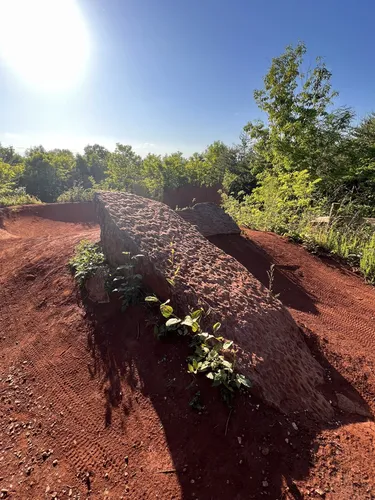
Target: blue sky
(167, 75)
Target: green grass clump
(18, 196)
(355, 244)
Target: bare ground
(93, 406)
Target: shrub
(354, 243)
(126, 282)
(88, 257)
(208, 350)
(75, 194)
(17, 196)
(282, 202)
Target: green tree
(9, 156)
(124, 169)
(174, 170)
(152, 176)
(303, 131)
(92, 164)
(47, 173)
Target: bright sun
(45, 42)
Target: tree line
(306, 141)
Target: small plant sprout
(271, 281)
(173, 272)
(126, 282)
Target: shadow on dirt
(258, 262)
(217, 453)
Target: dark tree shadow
(258, 262)
(217, 453)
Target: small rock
(265, 451)
(4, 493)
(54, 463)
(106, 475)
(239, 440)
(294, 425)
(320, 492)
(286, 440)
(265, 484)
(192, 481)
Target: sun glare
(45, 42)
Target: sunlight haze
(45, 42)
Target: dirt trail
(323, 297)
(94, 406)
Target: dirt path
(323, 297)
(96, 407)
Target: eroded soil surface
(93, 406)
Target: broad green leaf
(216, 326)
(227, 344)
(166, 310)
(197, 314)
(172, 321)
(151, 298)
(188, 321)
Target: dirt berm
(271, 348)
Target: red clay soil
(93, 406)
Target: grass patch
(18, 196)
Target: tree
(303, 132)
(174, 170)
(152, 176)
(47, 173)
(9, 156)
(124, 168)
(92, 165)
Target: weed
(17, 196)
(271, 280)
(196, 402)
(126, 282)
(87, 258)
(173, 271)
(76, 193)
(207, 356)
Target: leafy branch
(208, 349)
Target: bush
(18, 196)
(282, 202)
(355, 244)
(76, 193)
(88, 257)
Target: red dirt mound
(93, 406)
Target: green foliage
(196, 402)
(77, 193)
(282, 202)
(153, 176)
(213, 356)
(126, 282)
(10, 194)
(46, 174)
(17, 196)
(354, 243)
(303, 131)
(87, 258)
